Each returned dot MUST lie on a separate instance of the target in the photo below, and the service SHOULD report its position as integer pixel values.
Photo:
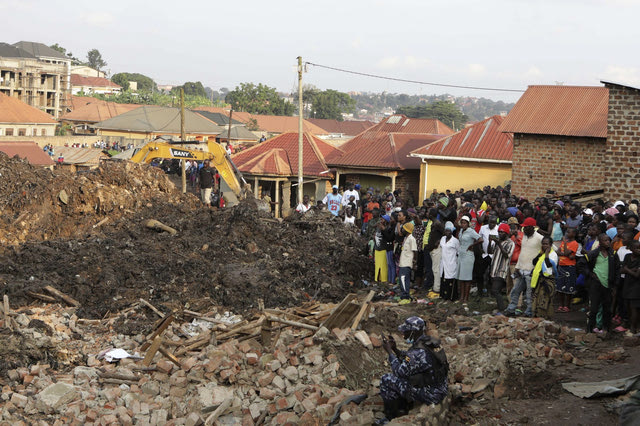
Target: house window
(35, 132)
(22, 132)
(8, 132)
(43, 132)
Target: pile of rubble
(278, 366)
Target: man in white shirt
(409, 248)
(304, 206)
(348, 193)
(530, 247)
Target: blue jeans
(521, 285)
(405, 282)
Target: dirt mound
(39, 204)
(232, 257)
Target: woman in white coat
(449, 263)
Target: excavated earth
(85, 235)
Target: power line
(494, 89)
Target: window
(43, 132)
(22, 132)
(8, 132)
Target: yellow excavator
(217, 156)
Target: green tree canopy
(444, 111)
(258, 99)
(191, 89)
(145, 84)
(95, 60)
(329, 103)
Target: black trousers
(449, 289)
(599, 296)
(497, 284)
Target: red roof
(279, 156)
(349, 128)
(29, 150)
(81, 80)
(13, 110)
(481, 141)
(80, 101)
(270, 123)
(560, 110)
(98, 111)
(385, 146)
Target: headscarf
(449, 226)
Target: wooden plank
(363, 308)
(166, 322)
(148, 358)
(243, 329)
(292, 323)
(330, 322)
(61, 296)
(153, 308)
(7, 318)
(265, 333)
(169, 356)
(218, 412)
(43, 297)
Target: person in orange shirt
(566, 282)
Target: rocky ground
(216, 283)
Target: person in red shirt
(566, 282)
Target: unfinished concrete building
(37, 75)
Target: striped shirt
(500, 263)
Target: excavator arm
(216, 155)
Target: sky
(491, 43)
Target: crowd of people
(537, 257)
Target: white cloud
(409, 61)
(98, 19)
(476, 68)
(532, 72)
(624, 75)
(356, 43)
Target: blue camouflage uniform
(416, 360)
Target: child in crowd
(566, 282)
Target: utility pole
(182, 138)
(300, 134)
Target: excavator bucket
(227, 169)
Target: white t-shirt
(302, 208)
(406, 255)
(528, 251)
(350, 221)
(347, 194)
(484, 233)
(622, 252)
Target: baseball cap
(386, 217)
(335, 186)
(513, 221)
(529, 222)
(465, 218)
(412, 324)
(357, 186)
(504, 228)
(588, 212)
(618, 203)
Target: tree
(329, 104)
(145, 84)
(191, 89)
(444, 111)
(260, 99)
(94, 59)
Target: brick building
(560, 140)
(622, 159)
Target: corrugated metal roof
(279, 156)
(40, 50)
(10, 51)
(347, 128)
(482, 141)
(152, 118)
(377, 148)
(13, 110)
(81, 80)
(270, 123)
(560, 110)
(98, 111)
(80, 156)
(29, 150)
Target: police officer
(418, 375)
